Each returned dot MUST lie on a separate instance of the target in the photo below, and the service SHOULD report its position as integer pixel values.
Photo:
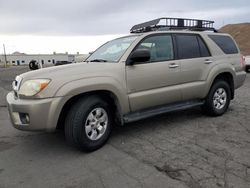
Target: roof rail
(174, 24)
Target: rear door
(195, 61)
(154, 82)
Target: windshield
(112, 51)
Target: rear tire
(218, 99)
(88, 124)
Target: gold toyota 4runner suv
(159, 68)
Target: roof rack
(174, 24)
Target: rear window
(226, 44)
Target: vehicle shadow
(56, 143)
(164, 121)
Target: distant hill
(18, 53)
(241, 33)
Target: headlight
(32, 87)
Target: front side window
(112, 51)
(160, 47)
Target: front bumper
(35, 114)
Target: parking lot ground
(180, 149)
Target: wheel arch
(228, 77)
(106, 95)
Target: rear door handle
(208, 61)
(172, 66)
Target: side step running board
(139, 115)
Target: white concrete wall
(42, 58)
(81, 58)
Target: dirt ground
(180, 149)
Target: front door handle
(172, 66)
(208, 61)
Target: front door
(155, 82)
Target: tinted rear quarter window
(226, 44)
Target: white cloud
(44, 26)
(49, 44)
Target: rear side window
(191, 46)
(225, 43)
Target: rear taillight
(242, 61)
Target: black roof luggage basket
(162, 24)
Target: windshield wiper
(98, 60)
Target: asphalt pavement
(180, 149)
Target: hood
(72, 71)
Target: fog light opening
(24, 118)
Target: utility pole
(5, 57)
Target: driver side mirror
(139, 56)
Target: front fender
(85, 85)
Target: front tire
(218, 99)
(88, 124)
